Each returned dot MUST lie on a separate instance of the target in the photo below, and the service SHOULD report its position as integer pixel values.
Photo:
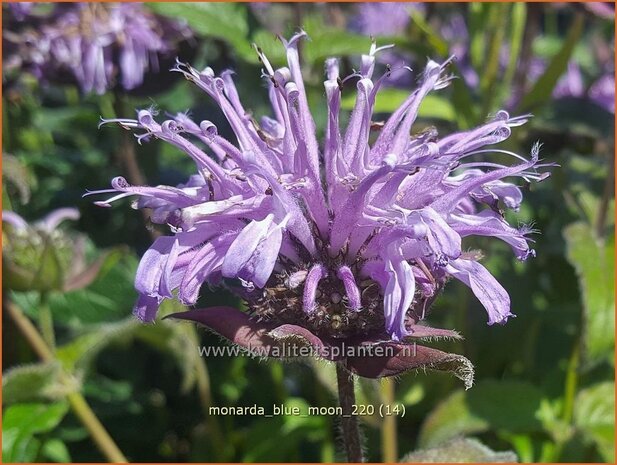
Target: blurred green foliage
(545, 381)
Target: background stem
(349, 422)
(46, 322)
(389, 446)
(204, 391)
(78, 403)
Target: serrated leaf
(543, 87)
(462, 450)
(594, 416)
(594, 263)
(482, 408)
(20, 422)
(35, 382)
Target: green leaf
(78, 353)
(517, 28)
(56, 451)
(327, 41)
(495, 31)
(433, 38)
(594, 416)
(594, 263)
(543, 88)
(35, 382)
(21, 422)
(462, 450)
(482, 408)
(389, 99)
(179, 341)
(263, 440)
(226, 21)
(478, 13)
(271, 46)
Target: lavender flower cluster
(99, 44)
(353, 239)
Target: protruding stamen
(315, 274)
(345, 274)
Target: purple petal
(442, 238)
(146, 307)
(489, 223)
(150, 269)
(486, 288)
(244, 245)
(398, 294)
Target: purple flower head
(602, 92)
(98, 43)
(348, 241)
(379, 19)
(20, 10)
(383, 18)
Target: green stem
(569, 397)
(78, 403)
(608, 193)
(349, 422)
(46, 322)
(389, 445)
(571, 384)
(97, 431)
(205, 396)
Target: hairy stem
(78, 403)
(349, 421)
(389, 446)
(46, 322)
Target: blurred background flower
(99, 44)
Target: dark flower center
(283, 301)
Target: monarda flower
(344, 244)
